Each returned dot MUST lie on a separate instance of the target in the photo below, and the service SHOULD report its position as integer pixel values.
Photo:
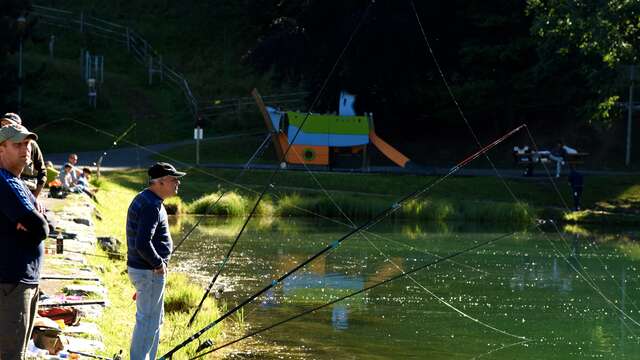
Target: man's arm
(34, 225)
(39, 168)
(148, 217)
(17, 205)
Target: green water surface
(531, 295)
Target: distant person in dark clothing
(149, 247)
(576, 181)
(35, 172)
(22, 229)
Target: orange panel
(310, 155)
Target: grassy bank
(480, 199)
(182, 295)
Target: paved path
(143, 156)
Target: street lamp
(21, 23)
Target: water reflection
(525, 285)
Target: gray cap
(16, 133)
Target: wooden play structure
(316, 139)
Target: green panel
(330, 124)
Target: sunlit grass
(181, 296)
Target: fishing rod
(117, 356)
(110, 255)
(269, 183)
(377, 218)
(75, 303)
(365, 289)
(101, 157)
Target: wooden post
(267, 120)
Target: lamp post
(21, 22)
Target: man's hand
(41, 209)
(21, 227)
(161, 270)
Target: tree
(10, 33)
(596, 36)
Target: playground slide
(388, 150)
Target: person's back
(576, 181)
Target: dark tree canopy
(505, 61)
(10, 32)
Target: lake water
(480, 305)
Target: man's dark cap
(161, 169)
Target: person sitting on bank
(75, 173)
(559, 155)
(35, 173)
(52, 173)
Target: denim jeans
(149, 313)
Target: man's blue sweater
(149, 242)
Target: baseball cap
(16, 133)
(161, 169)
(12, 117)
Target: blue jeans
(149, 313)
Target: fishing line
(270, 182)
(235, 180)
(99, 159)
(352, 224)
(470, 128)
(591, 283)
(424, 288)
(566, 206)
(376, 219)
(365, 289)
(246, 188)
(493, 351)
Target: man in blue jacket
(149, 247)
(22, 229)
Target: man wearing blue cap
(149, 247)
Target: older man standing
(22, 229)
(149, 247)
(35, 173)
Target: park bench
(524, 156)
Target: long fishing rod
(101, 157)
(236, 179)
(117, 356)
(110, 255)
(270, 182)
(377, 218)
(365, 289)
